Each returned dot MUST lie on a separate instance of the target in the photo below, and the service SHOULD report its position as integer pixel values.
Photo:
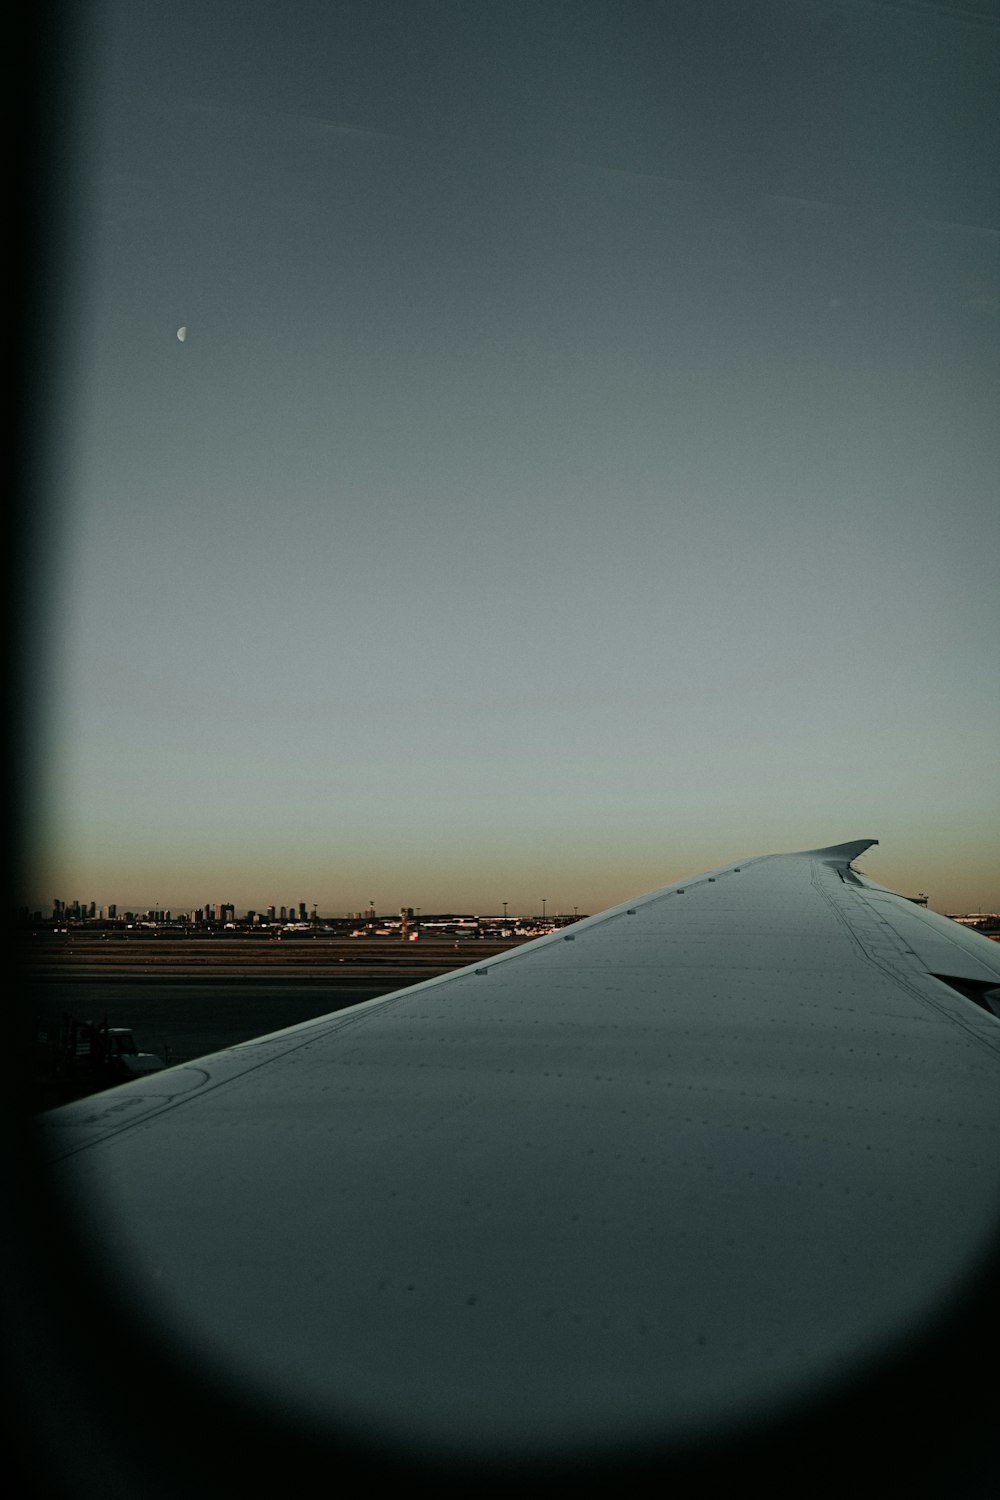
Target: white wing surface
(657, 1175)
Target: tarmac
(185, 998)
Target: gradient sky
(581, 468)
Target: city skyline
(227, 913)
(576, 473)
(371, 906)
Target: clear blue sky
(581, 468)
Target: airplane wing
(650, 1181)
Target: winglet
(840, 854)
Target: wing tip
(841, 854)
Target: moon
(182, 332)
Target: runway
(186, 998)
